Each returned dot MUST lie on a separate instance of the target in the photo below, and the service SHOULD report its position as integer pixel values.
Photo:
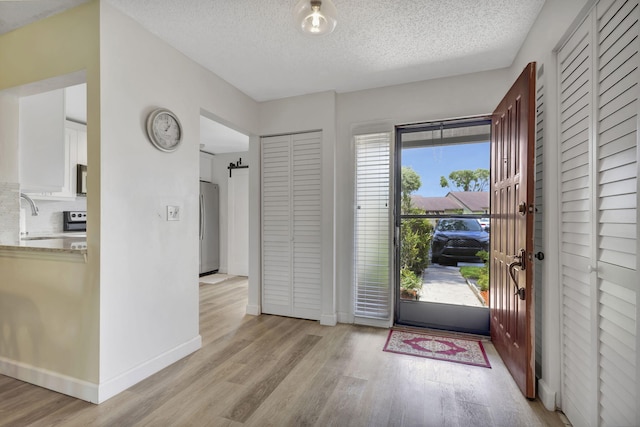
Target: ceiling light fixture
(315, 17)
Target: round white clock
(164, 130)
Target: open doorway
(442, 223)
(224, 166)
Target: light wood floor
(276, 371)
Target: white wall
(149, 267)
(551, 26)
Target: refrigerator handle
(201, 217)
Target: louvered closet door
(276, 226)
(576, 122)
(599, 180)
(616, 210)
(292, 225)
(307, 225)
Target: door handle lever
(518, 261)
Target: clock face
(164, 130)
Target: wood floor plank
(278, 371)
(342, 407)
(253, 398)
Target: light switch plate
(173, 213)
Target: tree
(415, 234)
(410, 182)
(467, 180)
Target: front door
(512, 211)
(442, 233)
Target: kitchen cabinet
(42, 142)
(75, 154)
(50, 147)
(206, 167)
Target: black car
(458, 239)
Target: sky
(433, 162)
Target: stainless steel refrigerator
(209, 228)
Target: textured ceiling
(15, 14)
(254, 45)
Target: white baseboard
(329, 319)
(91, 392)
(345, 317)
(547, 395)
(51, 380)
(254, 310)
(376, 323)
(110, 388)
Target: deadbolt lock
(522, 208)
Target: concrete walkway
(445, 284)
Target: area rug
(459, 350)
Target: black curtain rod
(236, 165)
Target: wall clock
(164, 130)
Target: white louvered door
(598, 70)
(276, 225)
(292, 225)
(307, 225)
(574, 60)
(616, 209)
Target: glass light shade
(315, 17)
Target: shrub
(409, 280)
(483, 279)
(415, 240)
(471, 272)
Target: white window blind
(372, 243)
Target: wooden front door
(512, 210)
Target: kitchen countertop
(75, 243)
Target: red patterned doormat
(459, 350)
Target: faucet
(34, 208)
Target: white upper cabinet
(51, 146)
(206, 167)
(75, 154)
(42, 142)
